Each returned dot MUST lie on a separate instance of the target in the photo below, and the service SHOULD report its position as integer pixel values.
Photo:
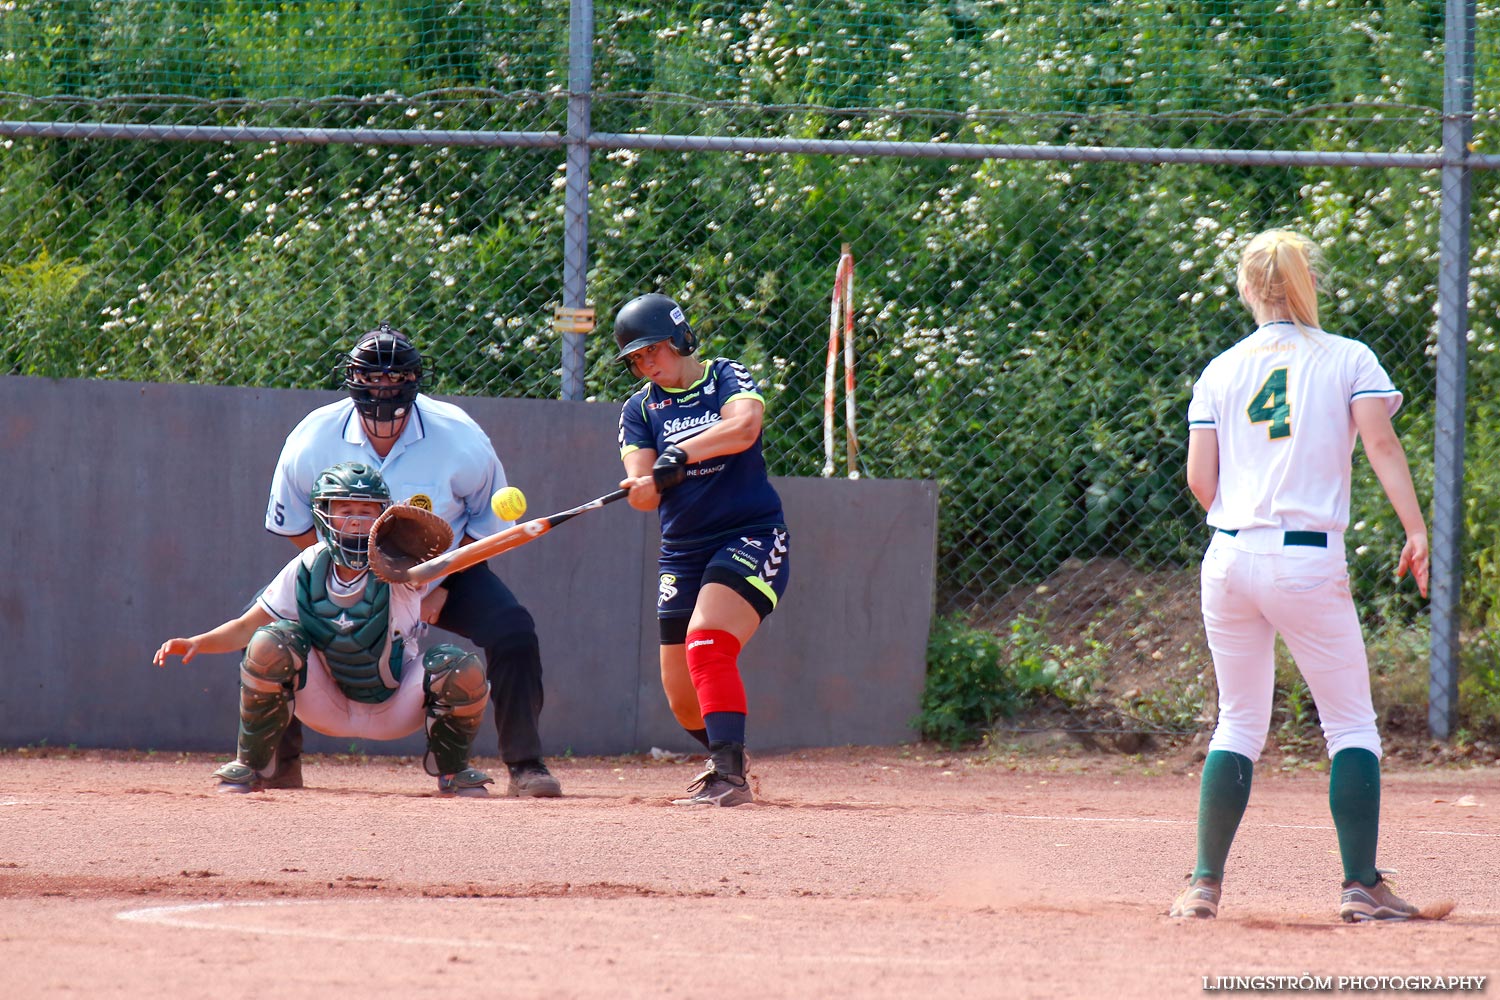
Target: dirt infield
(867, 873)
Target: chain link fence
(1044, 201)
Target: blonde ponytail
(1280, 269)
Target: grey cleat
(714, 789)
(722, 782)
(468, 783)
(238, 778)
(1373, 902)
(1200, 900)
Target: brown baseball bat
(481, 549)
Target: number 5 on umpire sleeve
(1270, 403)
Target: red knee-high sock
(711, 657)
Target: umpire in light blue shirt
(434, 455)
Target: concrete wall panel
(137, 513)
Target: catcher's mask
(649, 319)
(348, 543)
(383, 374)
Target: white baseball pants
(322, 706)
(1255, 586)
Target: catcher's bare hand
(404, 536)
(185, 648)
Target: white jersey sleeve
(1279, 404)
(1367, 378)
(279, 598)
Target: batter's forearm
(728, 437)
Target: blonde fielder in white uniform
(1273, 422)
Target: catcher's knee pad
(456, 695)
(455, 681)
(274, 656)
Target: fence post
(1452, 352)
(576, 199)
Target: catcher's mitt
(403, 536)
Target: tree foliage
(1028, 331)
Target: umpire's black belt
(1313, 539)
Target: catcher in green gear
(333, 645)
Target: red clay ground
(868, 873)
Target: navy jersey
(723, 495)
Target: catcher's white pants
(1253, 587)
(322, 706)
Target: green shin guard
(263, 718)
(449, 740)
(274, 655)
(1222, 797)
(1354, 801)
(456, 695)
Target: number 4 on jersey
(1270, 403)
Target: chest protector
(355, 640)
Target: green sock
(1222, 797)
(1354, 800)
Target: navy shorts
(754, 565)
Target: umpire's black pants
(481, 608)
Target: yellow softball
(509, 503)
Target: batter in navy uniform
(691, 444)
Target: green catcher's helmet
(347, 481)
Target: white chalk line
(180, 917)
(177, 916)
(1141, 820)
(1147, 820)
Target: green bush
(1479, 685)
(966, 688)
(975, 677)
(1029, 332)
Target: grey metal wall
(136, 513)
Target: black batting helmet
(384, 351)
(649, 319)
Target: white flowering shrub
(1028, 331)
